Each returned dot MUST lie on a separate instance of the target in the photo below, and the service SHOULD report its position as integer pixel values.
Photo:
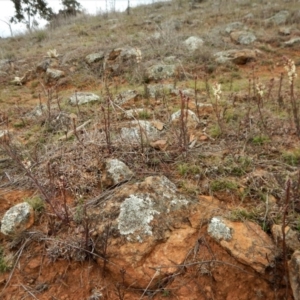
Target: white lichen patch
(218, 229)
(136, 213)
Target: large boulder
(17, 219)
(246, 242)
(149, 223)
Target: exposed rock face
(150, 221)
(247, 242)
(115, 172)
(243, 37)
(160, 71)
(239, 57)
(17, 219)
(291, 237)
(150, 225)
(83, 97)
(294, 274)
(278, 19)
(193, 43)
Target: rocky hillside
(153, 155)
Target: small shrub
(260, 140)
(40, 35)
(3, 264)
(37, 203)
(292, 158)
(223, 185)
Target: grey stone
(219, 230)
(17, 219)
(160, 71)
(126, 96)
(234, 26)
(83, 97)
(116, 172)
(94, 57)
(193, 43)
(278, 19)
(236, 56)
(176, 115)
(243, 37)
(54, 74)
(137, 130)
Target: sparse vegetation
(236, 150)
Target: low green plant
(292, 158)
(185, 169)
(215, 131)
(144, 115)
(260, 140)
(223, 185)
(36, 202)
(3, 264)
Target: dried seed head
(138, 55)
(217, 90)
(290, 67)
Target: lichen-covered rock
(294, 274)
(189, 117)
(94, 57)
(243, 37)
(279, 18)
(136, 131)
(115, 172)
(193, 43)
(54, 74)
(234, 26)
(126, 96)
(17, 219)
(246, 242)
(149, 226)
(160, 71)
(83, 97)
